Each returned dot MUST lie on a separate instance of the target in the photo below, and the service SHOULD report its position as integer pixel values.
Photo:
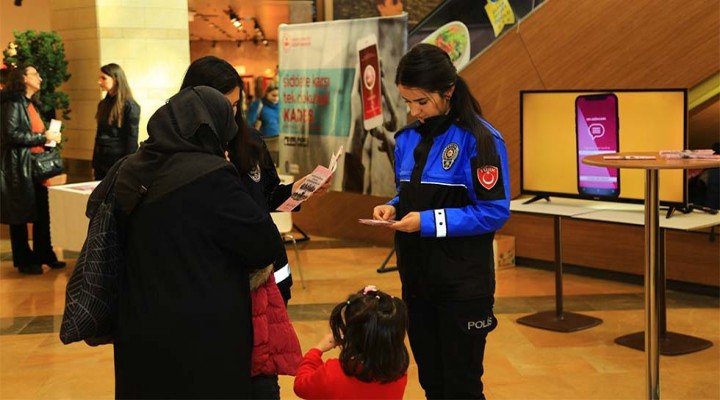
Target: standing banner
(337, 89)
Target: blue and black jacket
(462, 202)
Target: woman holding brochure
(453, 193)
(248, 152)
(22, 133)
(250, 157)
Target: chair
(283, 221)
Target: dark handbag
(47, 164)
(92, 291)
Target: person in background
(248, 153)
(389, 8)
(23, 132)
(369, 327)
(453, 193)
(264, 115)
(118, 118)
(192, 235)
(4, 73)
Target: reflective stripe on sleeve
(282, 274)
(440, 223)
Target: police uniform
(446, 268)
(263, 185)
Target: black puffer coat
(17, 190)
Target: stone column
(149, 39)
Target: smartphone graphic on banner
(597, 129)
(368, 57)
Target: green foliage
(46, 52)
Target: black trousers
(265, 387)
(42, 252)
(448, 342)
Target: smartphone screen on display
(597, 130)
(370, 82)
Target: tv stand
(692, 207)
(537, 197)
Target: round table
(652, 216)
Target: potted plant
(46, 52)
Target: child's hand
(327, 343)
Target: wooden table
(652, 216)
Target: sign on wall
(337, 88)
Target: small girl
(370, 329)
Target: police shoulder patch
(449, 155)
(487, 176)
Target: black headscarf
(188, 137)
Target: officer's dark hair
(429, 68)
(217, 73)
(370, 329)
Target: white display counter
(68, 223)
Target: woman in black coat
(22, 132)
(184, 328)
(118, 118)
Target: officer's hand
(384, 212)
(409, 223)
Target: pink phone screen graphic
(371, 96)
(597, 133)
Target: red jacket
(276, 349)
(316, 380)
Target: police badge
(255, 174)
(449, 154)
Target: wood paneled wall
(570, 44)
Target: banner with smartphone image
(336, 88)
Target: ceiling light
(234, 18)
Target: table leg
(384, 268)
(559, 320)
(652, 357)
(671, 343)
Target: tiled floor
(521, 362)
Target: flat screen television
(559, 127)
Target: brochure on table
(315, 180)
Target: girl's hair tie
(369, 288)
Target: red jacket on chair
(276, 349)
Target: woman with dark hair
(247, 151)
(369, 327)
(277, 350)
(118, 118)
(192, 235)
(22, 133)
(453, 193)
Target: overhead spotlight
(234, 18)
(265, 42)
(18, 3)
(214, 44)
(238, 43)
